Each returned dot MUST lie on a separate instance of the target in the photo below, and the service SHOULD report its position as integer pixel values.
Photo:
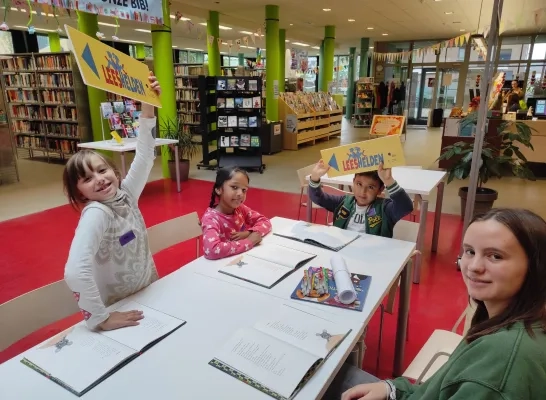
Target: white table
(415, 181)
(130, 145)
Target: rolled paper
(345, 289)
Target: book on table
(330, 237)
(78, 359)
(279, 354)
(266, 264)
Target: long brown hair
(529, 304)
(75, 169)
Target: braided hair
(223, 175)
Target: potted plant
(496, 160)
(187, 148)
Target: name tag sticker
(126, 238)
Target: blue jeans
(347, 377)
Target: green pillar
(88, 24)
(241, 59)
(328, 63)
(364, 47)
(162, 45)
(54, 42)
(213, 29)
(282, 58)
(140, 52)
(321, 63)
(272, 65)
(350, 84)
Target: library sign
(106, 68)
(364, 156)
(149, 11)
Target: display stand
(239, 121)
(47, 104)
(308, 117)
(364, 100)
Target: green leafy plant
(174, 129)
(494, 159)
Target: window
(43, 43)
(6, 43)
(539, 49)
(149, 51)
(515, 48)
(428, 56)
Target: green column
(213, 29)
(140, 52)
(364, 47)
(88, 24)
(54, 42)
(162, 45)
(282, 58)
(321, 63)
(241, 59)
(328, 63)
(350, 84)
(272, 65)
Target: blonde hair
(75, 169)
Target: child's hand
(255, 237)
(385, 174)
(239, 235)
(147, 109)
(118, 320)
(319, 170)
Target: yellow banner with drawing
(364, 156)
(106, 68)
(384, 125)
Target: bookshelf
(46, 103)
(364, 100)
(239, 121)
(308, 117)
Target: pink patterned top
(218, 227)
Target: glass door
(447, 90)
(420, 99)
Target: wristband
(391, 390)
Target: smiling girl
(109, 258)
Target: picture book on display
(266, 264)
(78, 359)
(122, 117)
(279, 354)
(329, 237)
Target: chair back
(406, 230)
(33, 310)
(174, 231)
(466, 316)
(302, 174)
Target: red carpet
(34, 249)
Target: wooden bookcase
(308, 127)
(46, 104)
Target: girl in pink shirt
(230, 227)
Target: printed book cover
(329, 298)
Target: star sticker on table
(241, 263)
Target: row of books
(232, 121)
(189, 107)
(244, 141)
(17, 63)
(185, 83)
(70, 113)
(21, 80)
(60, 97)
(56, 80)
(21, 111)
(239, 102)
(189, 70)
(187, 95)
(189, 118)
(60, 61)
(49, 112)
(237, 84)
(60, 129)
(21, 126)
(63, 145)
(20, 96)
(30, 141)
(308, 102)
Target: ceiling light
(385, 34)
(142, 30)
(38, 29)
(14, 9)
(300, 44)
(326, 9)
(225, 28)
(174, 47)
(371, 47)
(370, 28)
(448, 12)
(191, 48)
(315, 47)
(351, 20)
(291, 24)
(437, 0)
(246, 32)
(107, 24)
(287, 41)
(130, 41)
(181, 19)
(462, 30)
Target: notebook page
(276, 254)
(255, 270)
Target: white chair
(334, 191)
(174, 231)
(33, 310)
(302, 175)
(407, 231)
(413, 214)
(439, 346)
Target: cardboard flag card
(385, 125)
(106, 68)
(364, 156)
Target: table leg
(420, 239)
(123, 169)
(177, 161)
(437, 216)
(309, 207)
(402, 322)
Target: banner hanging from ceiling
(149, 11)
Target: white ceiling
(304, 20)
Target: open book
(330, 237)
(79, 359)
(278, 355)
(266, 264)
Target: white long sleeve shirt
(106, 263)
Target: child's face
(100, 182)
(233, 192)
(365, 189)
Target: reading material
(279, 354)
(78, 359)
(266, 264)
(330, 237)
